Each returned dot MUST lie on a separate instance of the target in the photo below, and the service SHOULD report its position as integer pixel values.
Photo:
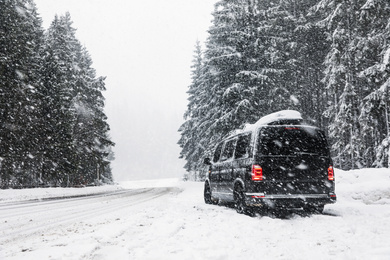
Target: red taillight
(257, 173)
(330, 173)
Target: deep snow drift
(178, 225)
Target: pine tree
(237, 72)
(21, 38)
(374, 46)
(77, 144)
(90, 131)
(59, 86)
(344, 129)
(192, 151)
(305, 49)
(342, 24)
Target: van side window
(228, 150)
(243, 146)
(217, 153)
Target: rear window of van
(290, 140)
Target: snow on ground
(7, 196)
(179, 225)
(14, 195)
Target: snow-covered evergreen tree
(355, 78)
(192, 150)
(77, 144)
(60, 86)
(21, 37)
(53, 127)
(375, 51)
(341, 20)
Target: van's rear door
(295, 160)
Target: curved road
(24, 219)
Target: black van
(279, 163)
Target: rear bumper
(288, 200)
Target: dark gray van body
(283, 164)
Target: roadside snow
(181, 226)
(370, 186)
(13, 195)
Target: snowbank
(371, 186)
(14, 195)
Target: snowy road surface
(148, 221)
(26, 219)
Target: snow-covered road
(174, 223)
(31, 218)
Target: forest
(328, 59)
(53, 129)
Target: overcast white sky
(145, 49)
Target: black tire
(239, 201)
(207, 193)
(208, 198)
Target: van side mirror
(207, 161)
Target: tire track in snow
(18, 222)
(14, 209)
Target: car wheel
(239, 201)
(208, 199)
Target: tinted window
(228, 150)
(290, 140)
(217, 152)
(243, 146)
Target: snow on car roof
(280, 115)
(265, 120)
(277, 116)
